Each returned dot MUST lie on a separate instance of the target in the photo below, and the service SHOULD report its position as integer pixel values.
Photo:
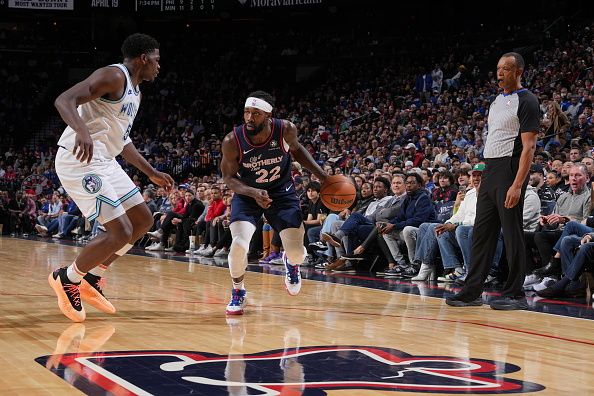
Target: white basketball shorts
(101, 189)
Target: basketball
(338, 193)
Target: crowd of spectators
(410, 136)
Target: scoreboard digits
(175, 6)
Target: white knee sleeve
(241, 232)
(293, 243)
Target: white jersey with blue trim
(109, 121)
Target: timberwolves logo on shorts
(91, 183)
(305, 371)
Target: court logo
(310, 371)
(91, 183)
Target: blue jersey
(268, 165)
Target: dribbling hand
(263, 199)
(84, 145)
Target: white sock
(239, 285)
(74, 274)
(98, 270)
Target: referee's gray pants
(491, 215)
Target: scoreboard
(150, 7)
(175, 6)
(180, 8)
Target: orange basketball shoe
(91, 292)
(68, 294)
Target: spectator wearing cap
(413, 155)
(545, 193)
(536, 176)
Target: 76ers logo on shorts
(91, 183)
(309, 371)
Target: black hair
(459, 173)
(262, 95)
(417, 177)
(384, 181)
(137, 44)
(449, 175)
(518, 58)
(313, 185)
(554, 172)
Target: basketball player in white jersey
(99, 112)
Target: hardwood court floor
(171, 336)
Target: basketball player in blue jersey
(99, 112)
(256, 165)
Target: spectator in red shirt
(10, 174)
(215, 209)
(411, 153)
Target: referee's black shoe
(463, 300)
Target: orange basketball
(338, 193)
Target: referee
(513, 123)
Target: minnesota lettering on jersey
(129, 109)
